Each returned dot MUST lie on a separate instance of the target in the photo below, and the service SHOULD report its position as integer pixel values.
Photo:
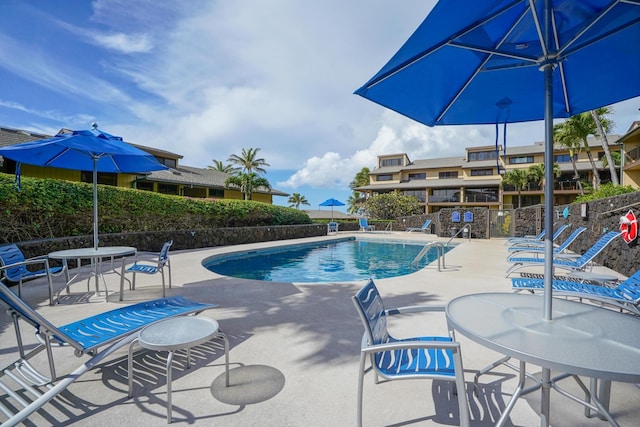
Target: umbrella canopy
(92, 150)
(332, 202)
(505, 61)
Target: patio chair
(539, 248)
(565, 261)
(364, 225)
(625, 296)
(425, 227)
(15, 268)
(332, 227)
(110, 330)
(148, 263)
(431, 357)
(535, 239)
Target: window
(520, 159)
(103, 178)
(391, 162)
(475, 156)
(216, 193)
(481, 172)
(167, 188)
(144, 185)
(388, 177)
(563, 158)
(170, 163)
(447, 175)
(421, 195)
(445, 195)
(481, 194)
(416, 176)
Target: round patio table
(174, 334)
(95, 256)
(581, 339)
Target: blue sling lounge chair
(425, 227)
(625, 296)
(539, 239)
(364, 225)
(110, 331)
(563, 261)
(518, 250)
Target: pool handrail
(441, 251)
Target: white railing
(441, 251)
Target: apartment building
(475, 178)
(179, 180)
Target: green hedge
(48, 208)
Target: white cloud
(125, 43)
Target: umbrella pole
(545, 380)
(95, 203)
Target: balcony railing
(633, 154)
(558, 185)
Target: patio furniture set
(164, 324)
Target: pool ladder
(440, 247)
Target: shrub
(606, 190)
(48, 208)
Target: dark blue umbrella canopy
(90, 150)
(506, 61)
(478, 62)
(332, 202)
(79, 149)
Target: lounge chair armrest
(415, 309)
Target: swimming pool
(342, 260)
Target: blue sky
(206, 78)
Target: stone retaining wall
(602, 215)
(182, 239)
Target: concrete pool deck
(294, 352)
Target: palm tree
(296, 199)
(248, 161)
(536, 173)
(580, 127)
(356, 201)
(519, 179)
(221, 167)
(248, 182)
(603, 125)
(569, 141)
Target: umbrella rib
(54, 158)
(489, 53)
(423, 54)
(588, 27)
(563, 81)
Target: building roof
(183, 175)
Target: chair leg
(361, 373)
(169, 268)
(164, 293)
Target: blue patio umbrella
(91, 150)
(506, 61)
(332, 202)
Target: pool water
(341, 261)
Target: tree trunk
(594, 169)
(605, 147)
(576, 175)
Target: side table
(182, 332)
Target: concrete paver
(294, 353)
